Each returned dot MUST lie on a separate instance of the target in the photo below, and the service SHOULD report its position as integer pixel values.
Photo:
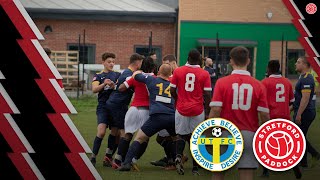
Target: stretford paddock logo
(279, 144)
(216, 144)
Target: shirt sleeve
(263, 102)
(207, 82)
(173, 82)
(217, 95)
(144, 78)
(96, 79)
(307, 84)
(129, 83)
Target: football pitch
(86, 123)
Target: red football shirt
(241, 97)
(141, 95)
(191, 81)
(279, 95)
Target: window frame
(80, 54)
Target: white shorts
(186, 124)
(247, 160)
(135, 118)
(163, 133)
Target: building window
(293, 55)
(87, 53)
(144, 50)
(224, 58)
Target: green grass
(85, 121)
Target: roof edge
(73, 14)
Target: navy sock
(115, 147)
(111, 141)
(132, 152)
(96, 145)
(174, 149)
(143, 148)
(123, 147)
(180, 147)
(168, 149)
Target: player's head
(170, 59)
(273, 67)
(108, 60)
(209, 62)
(194, 57)
(148, 65)
(153, 55)
(239, 57)
(165, 70)
(136, 61)
(302, 64)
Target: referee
(304, 106)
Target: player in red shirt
(280, 97)
(279, 92)
(239, 98)
(188, 85)
(137, 114)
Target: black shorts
(157, 122)
(103, 115)
(118, 114)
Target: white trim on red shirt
(292, 100)
(126, 84)
(216, 103)
(192, 66)
(262, 109)
(275, 75)
(241, 72)
(173, 85)
(207, 89)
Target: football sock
(180, 147)
(96, 145)
(132, 152)
(115, 147)
(143, 148)
(123, 147)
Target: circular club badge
(216, 144)
(279, 144)
(311, 8)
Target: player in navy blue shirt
(304, 106)
(118, 104)
(103, 84)
(161, 108)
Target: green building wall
(262, 33)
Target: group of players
(176, 99)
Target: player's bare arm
(96, 87)
(135, 73)
(303, 104)
(206, 103)
(264, 117)
(122, 88)
(215, 112)
(173, 93)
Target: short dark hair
(240, 55)
(274, 66)
(304, 60)
(194, 57)
(170, 58)
(48, 51)
(107, 55)
(135, 57)
(152, 53)
(148, 65)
